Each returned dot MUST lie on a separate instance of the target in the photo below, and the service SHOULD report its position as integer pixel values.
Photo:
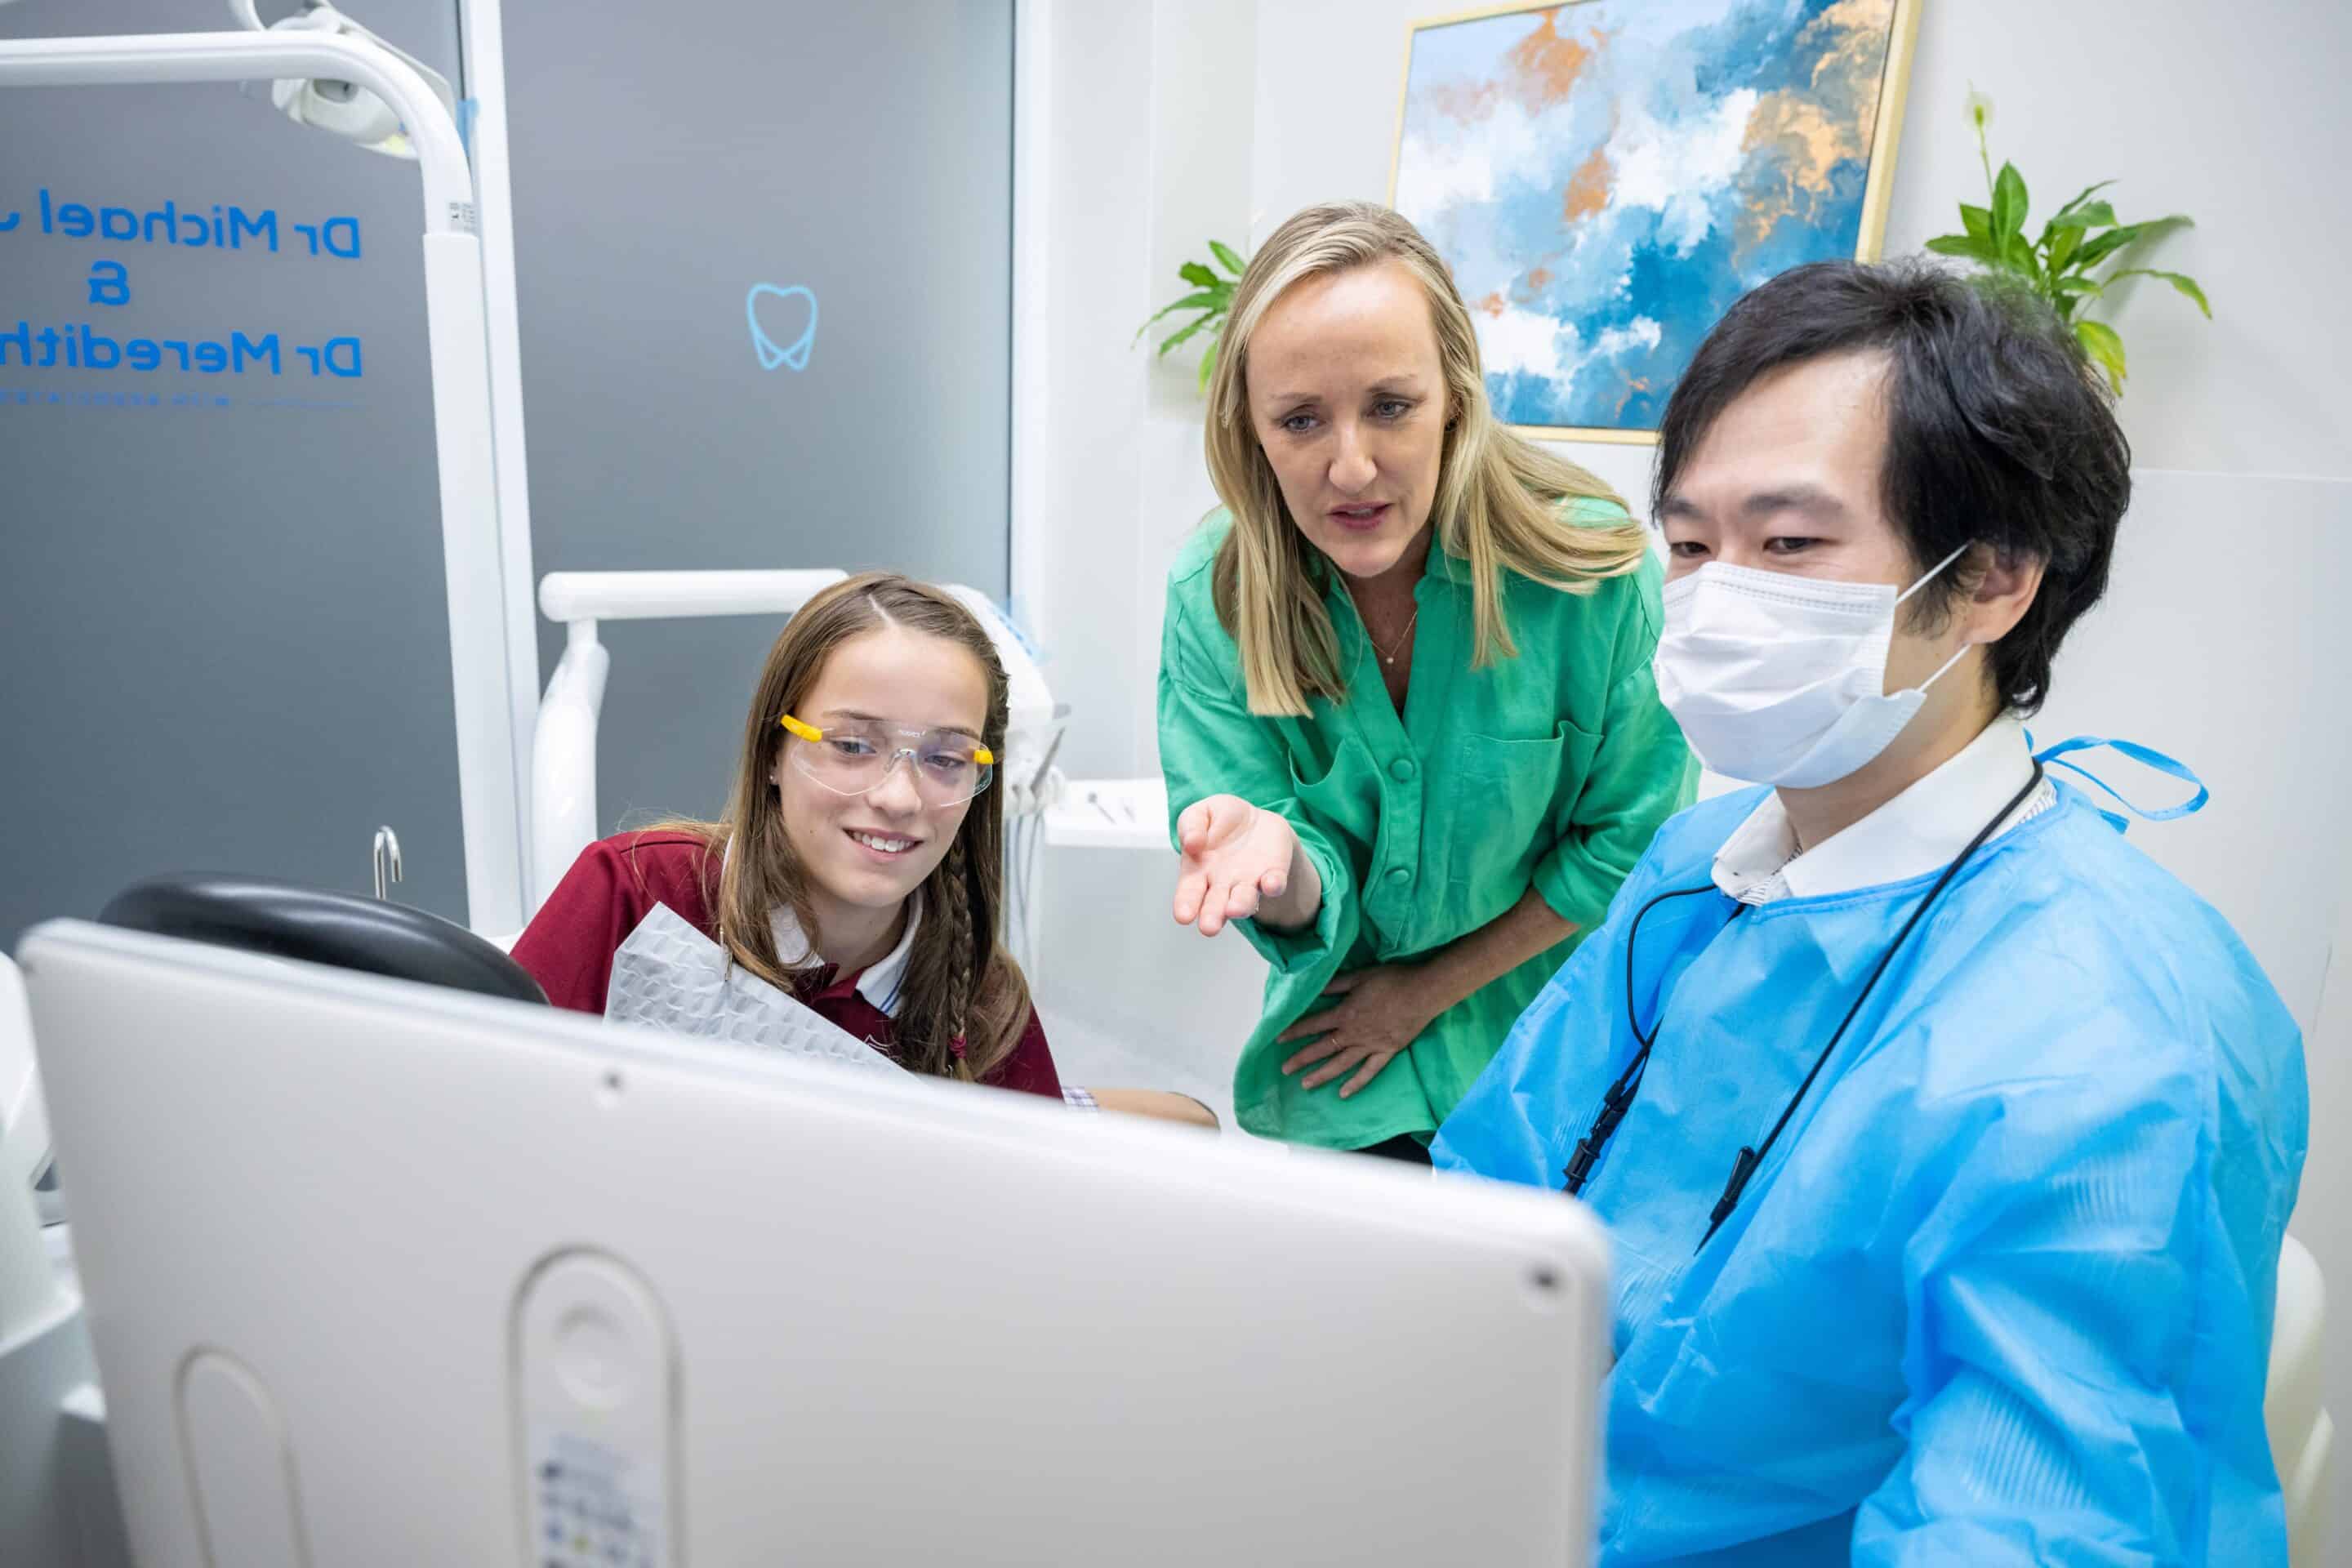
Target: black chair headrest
(287, 920)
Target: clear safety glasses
(948, 766)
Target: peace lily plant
(2060, 266)
(1212, 296)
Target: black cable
(1745, 1164)
(1628, 1086)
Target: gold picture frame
(1641, 395)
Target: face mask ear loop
(1956, 658)
(1933, 573)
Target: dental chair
(2302, 1436)
(24, 1120)
(288, 920)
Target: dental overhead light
(341, 106)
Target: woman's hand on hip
(1238, 861)
(1370, 1019)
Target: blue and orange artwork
(1605, 178)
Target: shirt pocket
(1340, 791)
(1503, 809)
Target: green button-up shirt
(1551, 769)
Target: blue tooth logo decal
(770, 357)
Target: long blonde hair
(1498, 497)
(965, 1002)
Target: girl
(858, 864)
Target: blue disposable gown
(2002, 1291)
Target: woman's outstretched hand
(1241, 861)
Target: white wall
(1142, 115)
(2219, 643)
(1081, 443)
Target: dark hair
(1997, 431)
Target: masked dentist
(1947, 1143)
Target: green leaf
(2091, 214)
(1228, 259)
(2105, 349)
(2008, 204)
(1198, 323)
(2181, 281)
(1208, 364)
(1204, 299)
(2070, 292)
(2062, 248)
(1976, 221)
(2115, 239)
(1212, 300)
(2088, 192)
(1195, 273)
(1971, 247)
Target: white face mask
(1782, 680)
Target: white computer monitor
(382, 1274)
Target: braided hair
(935, 1024)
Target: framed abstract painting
(1605, 177)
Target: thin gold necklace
(1388, 656)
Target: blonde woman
(1406, 714)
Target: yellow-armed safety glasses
(948, 767)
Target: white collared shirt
(883, 979)
(1921, 830)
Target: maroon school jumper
(570, 945)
